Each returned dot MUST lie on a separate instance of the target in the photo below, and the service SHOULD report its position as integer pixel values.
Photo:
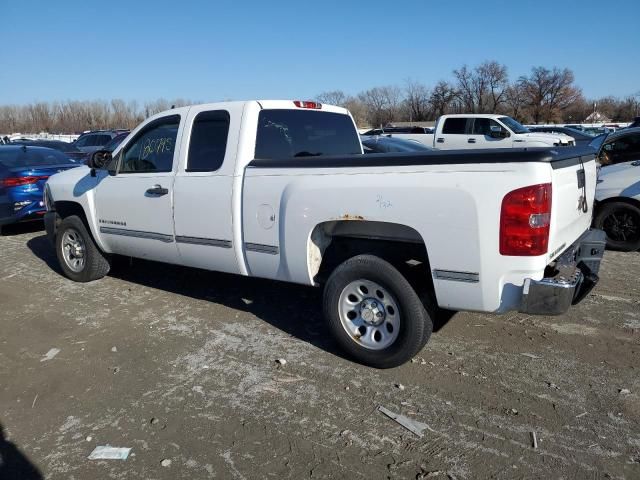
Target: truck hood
(620, 180)
(549, 138)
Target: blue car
(23, 172)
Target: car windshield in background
(597, 142)
(515, 126)
(304, 133)
(63, 147)
(389, 145)
(32, 157)
(115, 141)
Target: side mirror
(497, 132)
(99, 159)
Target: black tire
(621, 223)
(415, 324)
(96, 264)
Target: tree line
(545, 95)
(76, 116)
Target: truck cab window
(455, 125)
(152, 150)
(208, 142)
(482, 126)
(302, 133)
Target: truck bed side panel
(454, 208)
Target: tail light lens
(525, 218)
(18, 181)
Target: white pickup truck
(481, 131)
(281, 190)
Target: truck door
(134, 206)
(453, 135)
(203, 188)
(487, 133)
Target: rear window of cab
(305, 133)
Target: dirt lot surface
(180, 365)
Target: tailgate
(574, 186)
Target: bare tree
(549, 92)
(465, 88)
(441, 97)
(334, 97)
(496, 80)
(482, 90)
(515, 101)
(358, 111)
(382, 104)
(417, 101)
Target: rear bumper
(572, 276)
(22, 217)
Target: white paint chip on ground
(109, 453)
(50, 354)
(412, 425)
(531, 355)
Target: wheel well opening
(630, 201)
(334, 242)
(65, 209)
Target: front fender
(78, 187)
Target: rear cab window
(304, 133)
(455, 125)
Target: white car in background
(480, 131)
(618, 190)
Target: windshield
(32, 157)
(305, 133)
(62, 146)
(115, 141)
(385, 144)
(513, 125)
(597, 142)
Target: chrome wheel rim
(369, 314)
(73, 250)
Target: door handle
(636, 163)
(471, 140)
(440, 140)
(157, 190)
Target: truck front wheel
(79, 257)
(374, 313)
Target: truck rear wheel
(374, 313)
(621, 223)
(79, 257)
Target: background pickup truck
(480, 131)
(281, 190)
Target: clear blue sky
(215, 50)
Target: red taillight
(524, 221)
(18, 181)
(307, 104)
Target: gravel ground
(180, 366)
